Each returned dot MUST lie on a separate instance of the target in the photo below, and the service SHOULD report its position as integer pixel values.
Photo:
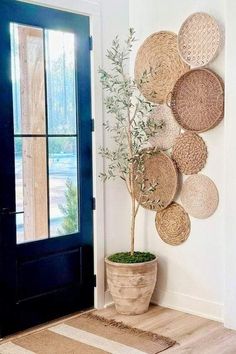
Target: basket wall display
(173, 224)
(158, 65)
(156, 180)
(199, 39)
(169, 130)
(199, 196)
(197, 100)
(184, 98)
(189, 153)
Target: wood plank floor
(195, 335)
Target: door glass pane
(46, 159)
(63, 186)
(61, 96)
(19, 190)
(28, 79)
(31, 188)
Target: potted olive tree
(131, 275)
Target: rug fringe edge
(118, 324)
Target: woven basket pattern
(190, 153)
(199, 196)
(199, 39)
(197, 100)
(158, 56)
(169, 129)
(173, 224)
(158, 169)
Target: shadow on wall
(162, 277)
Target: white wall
(230, 168)
(191, 276)
(115, 21)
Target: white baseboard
(189, 304)
(182, 302)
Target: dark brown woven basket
(197, 100)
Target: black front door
(46, 228)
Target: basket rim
(156, 33)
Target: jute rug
(88, 334)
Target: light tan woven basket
(159, 170)
(169, 130)
(189, 153)
(199, 196)
(199, 39)
(197, 100)
(173, 224)
(159, 58)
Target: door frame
(18, 298)
(92, 8)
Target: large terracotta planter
(131, 285)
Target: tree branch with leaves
(130, 128)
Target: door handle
(7, 211)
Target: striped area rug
(88, 334)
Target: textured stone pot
(131, 285)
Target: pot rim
(116, 264)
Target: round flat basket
(199, 39)
(168, 129)
(156, 180)
(173, 224)
(189, 153)
(158, 65)
(197, 100)
(199, 196)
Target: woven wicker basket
(156, 169)
(159, 58)
(169, 130)
(199, 196)
(173, 224)
(189, 153)
(199, 39)
(197, 100)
